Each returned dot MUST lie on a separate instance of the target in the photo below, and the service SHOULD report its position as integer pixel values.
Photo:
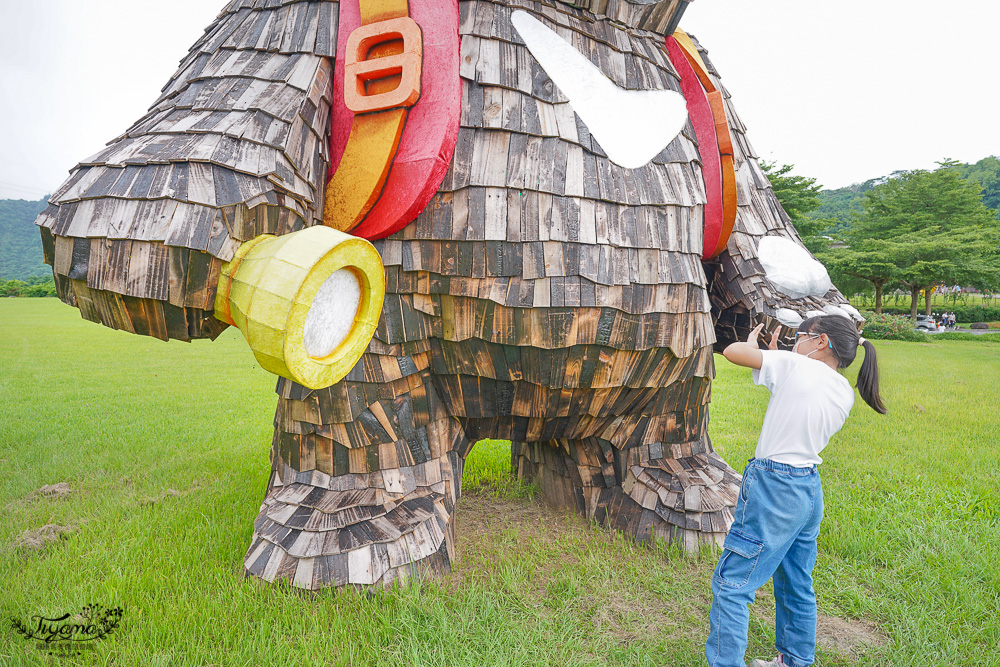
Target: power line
(25, 189)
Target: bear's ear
(234, 148)
(661, 16)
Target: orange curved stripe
(723, 134)
(728, 203)
(721, 122)
(693, 57)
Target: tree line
(34, 286)
(912, 230)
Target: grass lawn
(967, 327)
(165, 449)
(939, 302)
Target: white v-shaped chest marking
(632, 126)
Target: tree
(856, 266)
(926, 228)
(838, 207)
(799, 196)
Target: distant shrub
(891, 327)
(963, 314)
(976, 314)
(32, 287)
(958, 335)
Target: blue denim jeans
(774, 534)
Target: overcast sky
(845, 91)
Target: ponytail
(844, 341)
(868, 379)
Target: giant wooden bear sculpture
(569, 217)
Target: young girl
(780, 505)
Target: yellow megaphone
(307, 302)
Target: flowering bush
(891, 327)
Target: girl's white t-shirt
(809, 403)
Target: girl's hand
(748, 353)
(755, 334)
(772, 343)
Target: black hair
(844, 338)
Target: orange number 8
(358, 70)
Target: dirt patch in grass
(616, 605)
(485, 522)
(47, 492)
(33, 541)
(152, 500)
(169, 493)
(630, 617)
(616, 609)
(847, 636)
(60, 490)
(480, 515)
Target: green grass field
(939, 302)
(165, 447)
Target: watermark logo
(69, 633)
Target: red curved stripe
(428, 140)
(703, 121)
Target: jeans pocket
(739, 559)
(746, 483)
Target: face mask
(798, 340)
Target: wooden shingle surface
(234, 147)
(546, 295)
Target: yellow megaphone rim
(268, 288)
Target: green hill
(20, 241)
(987, 173)
(838, 205)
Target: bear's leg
(362, 488)
(569, 473)
(678, 493)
